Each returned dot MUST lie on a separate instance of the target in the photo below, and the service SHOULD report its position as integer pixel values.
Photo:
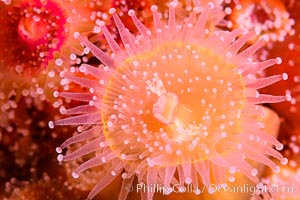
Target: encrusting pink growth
(178, 103)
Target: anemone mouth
(32, 30)
(172, 98)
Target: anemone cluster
(149, 99)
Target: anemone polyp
(35, 30)
(269, 19)
(37, 41)
(177, 104)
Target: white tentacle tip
(188, 180)
(76, 35)
(211, 5)
(174, 3)
(51, 124)
(101, 23)
(279, 147)
(285, 76)
(284, 161)
(60, 158)
(153, 8)
(75, 175)
(58, 150)
(288, 97)
(254, 172)
(131, 12)
(56, 94)
(112, 10)
(278, 60)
